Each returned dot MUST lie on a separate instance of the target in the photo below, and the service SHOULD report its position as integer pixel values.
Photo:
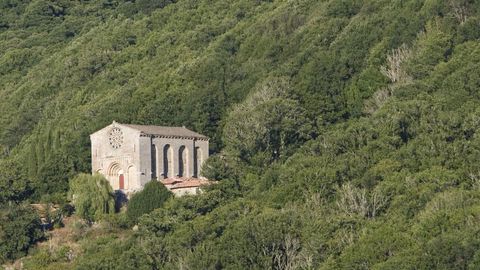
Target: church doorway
(121, 181)
(116, 177)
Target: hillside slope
(345, 133)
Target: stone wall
(142, 157)
(111, 162)
(172, 153)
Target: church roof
(167, 131)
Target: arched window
(197, 165)
(183, 161)
(167, 161)
(154, 161)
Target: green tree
(92, 196)
(14, 185)
(432, 47)
(153, 196)
(267, 126)
(52, 177)
(216, 167)
(20, 228)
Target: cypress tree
(153, 196)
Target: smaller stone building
(185, 186)
(129, 156)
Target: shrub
(151, 197)
(116, 221)
(67, 209)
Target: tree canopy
(19, 230)
(92, 196)
(152, 196)
(345, 134)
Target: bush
(20, 228)
(116, 221)
(14, 186)
(67, 209)
(216, 168)
(151, 197)
(92, 196)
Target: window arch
(167, 161)
(183, 161)
(198, 160)
(154, 161)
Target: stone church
(129, 156)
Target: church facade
(129, 156)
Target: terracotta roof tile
(190, 183)
(181, 182)
(171, 181)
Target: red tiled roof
(181, 182)
(191, 183)
(170, 181)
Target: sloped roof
(190, 183)
(167, 131)
(183, 182)
(171, 181)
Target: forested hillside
(344, 134)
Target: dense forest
(344, 134)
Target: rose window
(116, 138)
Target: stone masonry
(129, 156)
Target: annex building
(129, 156)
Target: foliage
(216, 167)
(153, 196)
(20, 228)
(103, 253)
(14, 185)
(92, 196)
(345, 133)
(48, 259)
(267, 125)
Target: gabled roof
(160, 131)
(167, 131)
